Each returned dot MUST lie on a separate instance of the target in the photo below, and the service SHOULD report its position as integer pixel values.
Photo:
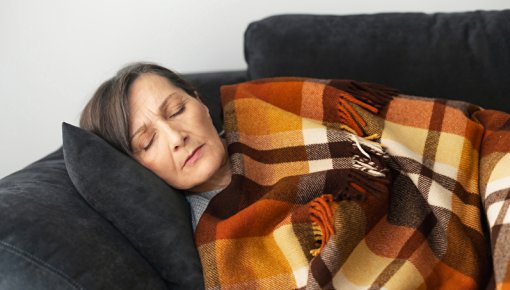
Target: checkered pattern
(427, 229)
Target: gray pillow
(154, 217)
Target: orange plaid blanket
(348, 185)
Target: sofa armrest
(208, 87)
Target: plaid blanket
(349, 185)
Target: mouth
(190, 160)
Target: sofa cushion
(50, 238)
(150, 214)
(462, 56)
(208, 87)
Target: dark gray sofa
(88, 217)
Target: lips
(190, 160)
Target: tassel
(347, 118)
(374, 147)
(369, 174)
(371, 97)
(371, 94)
(372, 137)
(367, 167)
(353, 112)
(321, 212)
(348, 129)
(353, 100)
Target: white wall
(54, 53)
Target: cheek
(160, 163)
(200, 120)
(166, 171)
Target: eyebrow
(162, 108)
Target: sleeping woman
(299, 190)
(156, 117)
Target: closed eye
(179, 111)
(149, 144)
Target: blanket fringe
(374, 95)
(359, 187)
(369, 176)
(350, 117)
(321, 212)
(371, 97)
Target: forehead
(150, 87)
(146, 94)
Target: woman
(157, 118)
(304, 198)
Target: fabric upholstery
(309, 171)
(50, 238)
(462, 56)
(154, 217)
(208, 87)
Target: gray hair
(107, 112)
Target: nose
(176, 137)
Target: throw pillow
(154, 217)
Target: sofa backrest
(463, 56)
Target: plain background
(55, 53)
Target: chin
(203, 172)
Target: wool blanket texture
(340, 184)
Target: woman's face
(172, 133)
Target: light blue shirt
(198, 203)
